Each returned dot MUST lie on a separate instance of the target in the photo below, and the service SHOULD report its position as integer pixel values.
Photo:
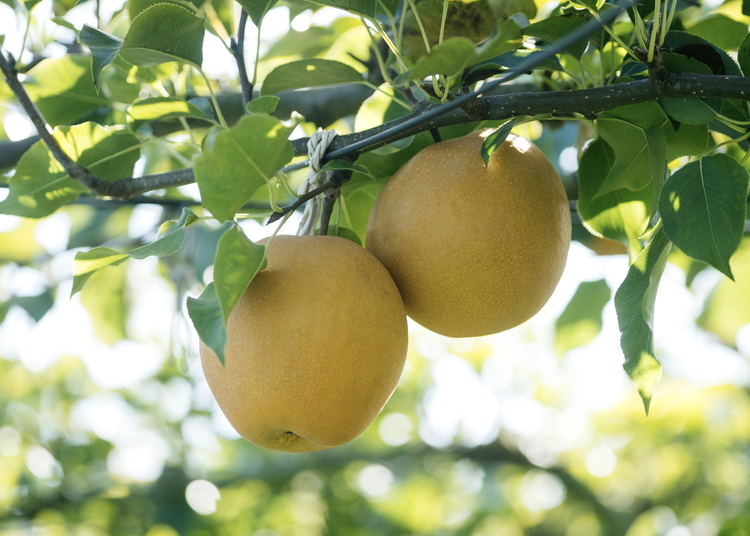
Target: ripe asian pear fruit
(315, 346)
(474, 250)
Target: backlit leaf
(581, 321)
(160, 108)
(622, 214)
(495, 140)
(257, 9)
(552, 29)
(171, 238)
(40, 185)
(703, 209)
(634, 303)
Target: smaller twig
(238, 48)
(335, 181)
(276, 216)
(436, 136)
(656, 69)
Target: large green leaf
(205, 312)
(703, 209)
(257, 9)
(103, 47)
(743, 55)
(687, 140)
(40, 185)
(160, 108)
(136, 7)
(368, 8)
(552, 29)
(163, 33)
(455, 54)
(635, 134)
(689, 111)
(722, 31)
(171, 238)
(237, 261)
(634, 303)
(622, 214)
(63, 89)
(581, 321)
(311, 72)
(238, 161)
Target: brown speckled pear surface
(474, 250)
(316, 346)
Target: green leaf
(311, 72)
(163, 33)
(495, 140)
(635, 134)
(205, 312)
(581, 321)
(63, 89)
(237, 261)
(743, 55)
(552, 29)
(106, 301)
(263, 105)
(238, 161)
(136, 7)
(675, 39)
(103, 47)
(722, 31)
(457, 53)
(688, 140)
(171, 238)
(368, 8)
(257, 9)
(634, 303)
(689, 111)
(622, 214)
(727, 309)
(160, 108)
(343, 165)
(64, 23)
(703, 209)
(344, 232)
(40, 185)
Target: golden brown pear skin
(474, 250)
(315, 346)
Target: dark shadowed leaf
(581, 321)
(40, 185)
(103, 47)
(495, 140)
(552, 29)
(205, 312)
(743, 55)
(311, 72)
(634, 303)
(162, 33)
(703, 209)
(237, 261)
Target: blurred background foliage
(108, 428)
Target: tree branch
(585, 102)
(238, 48)
(122, 188)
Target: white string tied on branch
(317, 146)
